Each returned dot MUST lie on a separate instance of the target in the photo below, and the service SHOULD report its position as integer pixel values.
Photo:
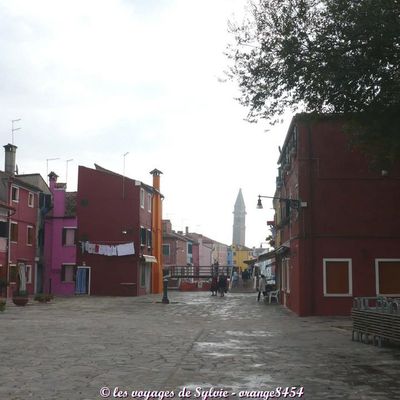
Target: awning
(282, 250)
(150, 259)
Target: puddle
(251, 334)
(201, 346)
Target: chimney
(9, 164)
(186, 230)
(156, 178)
(52, 179)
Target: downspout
(311, 291)
(9, 215)
(157, 275)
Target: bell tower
(239, 221)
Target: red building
(114, 255)
(341, 238)
(23, 200)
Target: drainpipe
(310, 233)
(10, 213)
(157, 273)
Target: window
(143, 236)
(31, 199)
(14, 193)
(14, 232)
(387, 276)
(142, 198)
(149, 202)
(68, 236)
(3, 229)
(148, 239)
(165, 250)
(337, 275)
(28, 271)
(68, 273)
(29, 235)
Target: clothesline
(122, 249)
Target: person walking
(235, 279)
(214, 279)
(222, 285)
(261, 286)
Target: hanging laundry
(125, 249)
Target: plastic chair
(273, 294)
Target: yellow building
(239, 255)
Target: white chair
(273, 294)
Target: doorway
(82, 280)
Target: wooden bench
(376, 320)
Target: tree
(324, 56)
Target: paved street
(71, 348)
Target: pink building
(60, 244)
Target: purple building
(60, 243)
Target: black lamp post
(165, 300)
(293, 203)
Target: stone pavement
(71, 348)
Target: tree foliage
(323, 56)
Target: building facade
(115, 234)
(177, 248)
(60, 239)
(21, 214)
(240, 254)
(336, 221)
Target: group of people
(219, 282)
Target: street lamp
(293, 203)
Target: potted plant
(20, 298)
(40, 297)
(3, 285)
(48, 297)
(43, 298)
(2, 305)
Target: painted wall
(55, 253)
(24, 216)
(239, 255)
(352, 212)
(107, 206)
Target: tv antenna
(14, 129)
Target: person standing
(261, 286)
(235, 279)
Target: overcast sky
(94, 79)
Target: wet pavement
(86, 347)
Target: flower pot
(2, 306)
(20, 301)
